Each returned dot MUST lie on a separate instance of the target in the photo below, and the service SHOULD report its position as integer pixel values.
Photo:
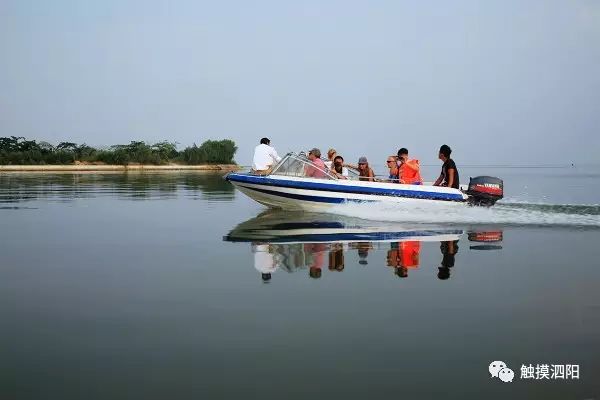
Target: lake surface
(175, 286)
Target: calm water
(174, 286)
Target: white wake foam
(453, 213)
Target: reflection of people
(409, 253)
(336, 257)
(449, 250)
(363, 251)
(317, 251)
(314, 272)
(288, 256)
(404, 255)
(263, 260)
(264, 158)
(401, 272)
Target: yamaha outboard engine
(485, 190)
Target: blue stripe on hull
(317, 199)
(342, 189)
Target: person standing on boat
(408, 170)
(264, 158)
(449, 176)
(318, 168)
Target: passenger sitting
(318, 168)
(393, 167)
(331, 154)
(365, 172)
(338, 168)
(408, 170)
(449, 176)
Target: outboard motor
(485, 190)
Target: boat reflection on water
(296, 241)
(486, 237)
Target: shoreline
(118, 168)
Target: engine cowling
(485, 190)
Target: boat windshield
(293, 164)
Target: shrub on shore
(20, 151)
(210, 152)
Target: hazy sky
(499, 81)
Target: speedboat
(289, 187)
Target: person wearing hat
(363, 251)
(365, 172)
(318, 168)
(317, 251)
(264, 158)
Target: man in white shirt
(265, 157)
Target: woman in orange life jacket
(408, 170)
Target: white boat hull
(310, 194)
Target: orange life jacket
(409, 254)
(409, 175)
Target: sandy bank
(124, 168)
